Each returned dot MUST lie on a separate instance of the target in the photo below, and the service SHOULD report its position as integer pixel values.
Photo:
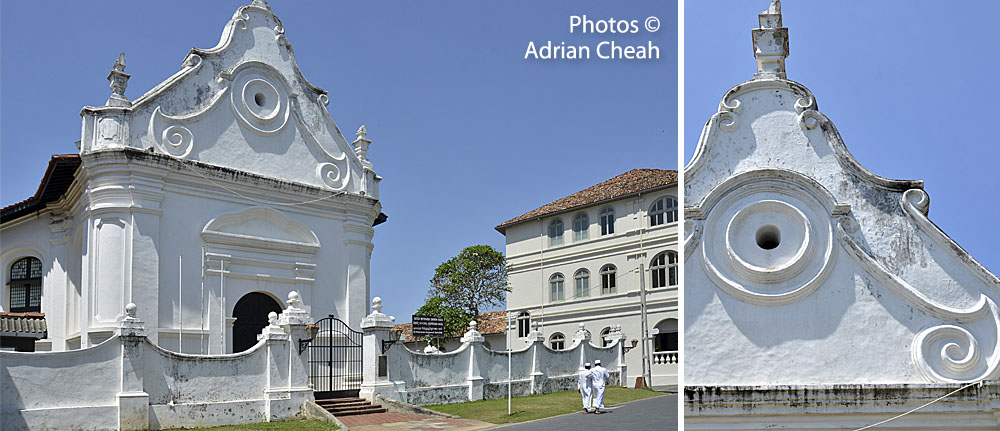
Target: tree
(456, 320)
(473, 280)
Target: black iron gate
(335, 359)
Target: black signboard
(428, 326)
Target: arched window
(26, 285)
(664, 269)
(581, 224)
(607, 221)
(582, 282)
(557, 341)
(664, 210)
(604, 334)
(557, 293)
(555, 232)
(608, 279)
(523, 324)
(666, 339)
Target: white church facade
(605, 257)
(819, 295)
(205, 201)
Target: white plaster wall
(128, 380)
(446, 377)
(127, 237)
(82, 378)
(883, 305)
(204, 379)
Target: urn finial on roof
(119, 82)
(361, 145)
(770, 43)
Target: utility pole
(645, 329)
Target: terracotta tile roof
(23, 325)
(494, 322)
(631, 182)
(57, 179)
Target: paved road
(654, 414)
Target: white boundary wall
(127, 382)
(473, 372)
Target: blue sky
(909, 85)
(467, 133)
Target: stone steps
(349, 406)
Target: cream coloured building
(588, 257)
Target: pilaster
(133, 401)
(617, 338)
(376, 327)
(537, 340)
(580, 339)
(475, 381)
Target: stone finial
(361, 145)
(430, 349)
(119, 82)
(294, 300)
(536, 333)
(272, 318)
(295, 313)
(130, 310)
(130, 325)
(377, 320)
(770, 43)
(582, 333)
(261, 4)
(473, 335)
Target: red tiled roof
(30, 325)
(631, 182)
(494, 322)
(57, 179)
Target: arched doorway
(251, 317)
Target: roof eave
(502, 228)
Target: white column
(475, 379)
(133, 401)
(376, 327)
(617, 338)
(537, 340)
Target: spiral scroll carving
(177, 140)
(949, 353)
(729, 114)
(331, 176)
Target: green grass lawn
(296, 425)
(534, 407)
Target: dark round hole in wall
(259, 99)
(768, 237)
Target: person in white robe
(599, 377)
(586, 387)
